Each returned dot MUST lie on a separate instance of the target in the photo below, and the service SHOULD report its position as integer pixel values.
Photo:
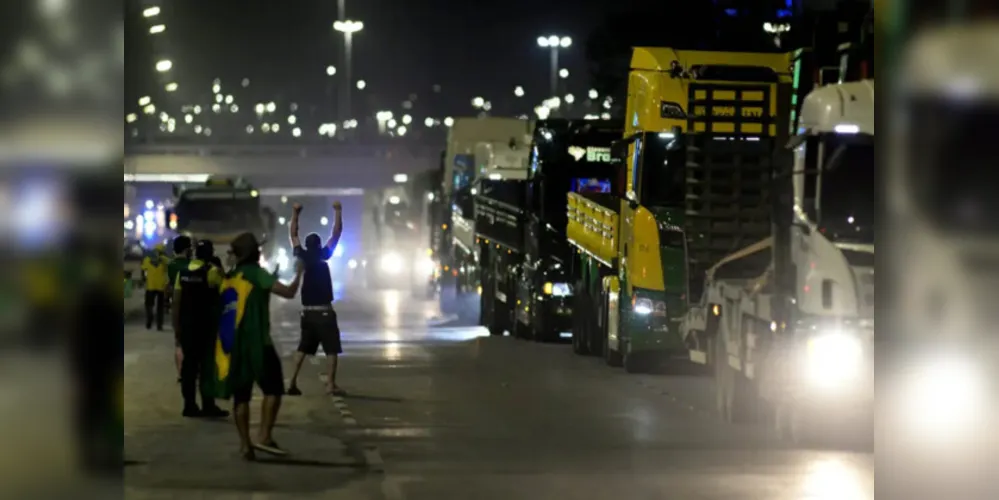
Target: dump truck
(702, 133)
(525, 260)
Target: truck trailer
(525, 260)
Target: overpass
(279, 169)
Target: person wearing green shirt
(183, 248)
(245, 353)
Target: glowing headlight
(944, 398)
(428, 267)
(391, 263)
(558, 289)
(834, 358)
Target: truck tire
(613, 358)
(637, 363)
(736, 396)
(579, 322)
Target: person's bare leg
(331, 386)
(242, 418)
(268, 417)
(298, 360)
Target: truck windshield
(218, 214)
(662, 184)
(849, 195)
(953, 170)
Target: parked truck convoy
(743, 237)
(524, 257)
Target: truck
(520, 228)
(700, 141)
(787, 323)
(395, 255)
(222, 209)
(463, 162)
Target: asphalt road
(438, 411)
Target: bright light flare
(164, 65)
(391, 263)
(834, 359)
(945, 398)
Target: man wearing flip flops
(319, 322)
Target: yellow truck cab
(702, 131)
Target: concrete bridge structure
(290, 170)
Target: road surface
(441, 411)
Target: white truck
(787, 324)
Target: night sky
(483, 48)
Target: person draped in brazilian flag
(245, 353)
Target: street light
(553, 43)
(348, 28)
(449, 122)
(164, 65)
(519, 91)
(563, 73)
(361, 84)
(330, 70)
(478, 102)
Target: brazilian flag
(244, 329)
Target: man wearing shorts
(319, 324)
(244, 334)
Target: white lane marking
(374, 459)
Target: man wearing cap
(196, 313)
(155, 267)
(245, 353)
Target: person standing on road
(155, 267)
(245, 353)
(183, 247)
(197, 309)
(319, 322)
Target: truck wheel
(636, 363)
(724, 380)
(579, 322)
(736, 395)
(613, 358)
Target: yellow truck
(703, 133)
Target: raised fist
(337, 206)
(297, 207)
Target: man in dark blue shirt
(319, 324)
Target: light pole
(553, 43)
(348, 28)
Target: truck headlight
(391, 263)
(944, 398)
(428, 267)
(834, 358)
